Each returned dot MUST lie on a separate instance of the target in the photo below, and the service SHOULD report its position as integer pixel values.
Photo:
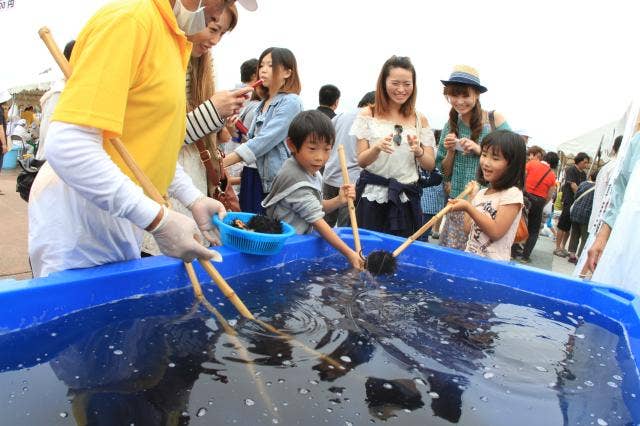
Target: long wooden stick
(470, 187)
(141, 177)
(197, 291)
(351, 207)
(226, 289)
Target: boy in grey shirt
(296, 194)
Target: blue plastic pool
(28, 307)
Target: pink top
(479, 242)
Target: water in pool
(413, 349)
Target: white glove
(177, 236)
(203, 210)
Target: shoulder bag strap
(542, 178)
(418, 132)
(583, 194)
(213, 172)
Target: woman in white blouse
(394, 141)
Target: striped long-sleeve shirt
(202, 121)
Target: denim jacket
(266, 145)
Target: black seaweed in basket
(264, 224)
(259, 223)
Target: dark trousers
(251, 194)
(329, 192)
(533, 224)
(579, 233)
(339, 216)
(375, 217)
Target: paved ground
(542, 257)
(14, 262)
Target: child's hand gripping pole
(64, 65)
(469, 188)
(351, 207)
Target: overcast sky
(557, 68)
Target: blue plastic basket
(251, 242)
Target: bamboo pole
(351, 207)
(226, 289)
(470, 187)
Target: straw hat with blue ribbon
(464, 74)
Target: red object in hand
(241, 127)
(239, 124)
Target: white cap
(250, 5)
(4, 96)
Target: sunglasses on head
(397, 138)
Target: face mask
(188, 21)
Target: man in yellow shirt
(129, 67)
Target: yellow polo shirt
(129, 64)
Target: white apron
(73, 232)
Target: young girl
(391, 149)
(459, 148)
(495, 211)
(266, 146)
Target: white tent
(28, 90)
(590, 141)
(41, 81)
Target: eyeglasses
(397, 138)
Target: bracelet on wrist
(157, 221)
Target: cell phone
(459, 146)
(241, 127)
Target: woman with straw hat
(459, 146)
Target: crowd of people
(258, 141)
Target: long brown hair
(476, 113)
(202, 87)
(281, 59)
(202, 79)
(407, 109)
